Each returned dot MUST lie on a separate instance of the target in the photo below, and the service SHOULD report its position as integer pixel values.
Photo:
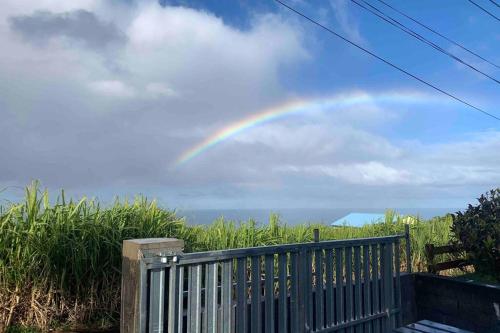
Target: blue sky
(100, 98)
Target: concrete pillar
(132, 251)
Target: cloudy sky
(108, 98)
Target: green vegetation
(21, 329)
(61, 262)
(477, 230)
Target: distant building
(358, 219)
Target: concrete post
(132, 252)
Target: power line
(387, 62)
(375, 11)
(438, 33)
(493, 2)
(484, 10)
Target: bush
(477, 230)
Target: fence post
(316, 235)
(408, 248)
(429, 254)
(134, 278)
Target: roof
(359, 219)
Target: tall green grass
(64, 260)
(61, 262)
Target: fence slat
(397, 291)
(318, 266)
(211, 297)
(308, 290)
(173, 299)
(143, 296)
(194, 303)
(180, 302)
(241, 295)
(189, 295)
(255, 307)
(282, 293)
(357, 286)
(227, 296)
(156, 299)
(384, 306)
(269, 293)
(375, 287)
(329, 287)
(388, 288)
(295, 317)
(366, 288)
(348, 287)
(339, 281)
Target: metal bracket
(164, 258)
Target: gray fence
(345, 286)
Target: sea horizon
(294, 216)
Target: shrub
(477, 230)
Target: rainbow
(301, 106)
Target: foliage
(478, 231)
(61, 262)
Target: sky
(244, 104)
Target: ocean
(297, 215)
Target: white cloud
(112, 88)
(320, 138)
(203, 58)
(370, 173)
(456, 164)
(346, 21)
(158, 89)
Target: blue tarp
(359, 219)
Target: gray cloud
(79, 25)
(71, 122)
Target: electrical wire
(495, 3)
(438, 33)
(387, 62)
(484, 10)
(377, 12)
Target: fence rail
(431, 251)
(330, 286)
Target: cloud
(457, 164)
(370, 173)
(203, 59)
(112, 88)
(72, 121)
(345, 20)
(82, 124)
(80, 26)
(158, 89)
